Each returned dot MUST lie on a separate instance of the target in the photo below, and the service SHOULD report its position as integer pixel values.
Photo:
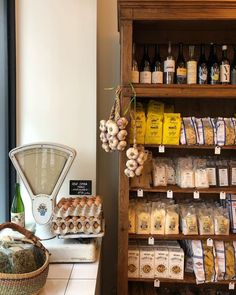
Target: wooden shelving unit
(190, 22)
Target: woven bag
(27, 283)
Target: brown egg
(90, 202)
(66, 206)
(82, 202)
(98, 201)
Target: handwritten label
(169, 194)
(81, 187)
(140, 193)
(217, 150)
(150, 241)
(156, 283)
(161, 148)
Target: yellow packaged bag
(153, 133)
(169, 108)
(140, 128)
(171, 128)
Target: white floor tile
(59, 271)
(54, 287)
(81, 287)
(84, 271)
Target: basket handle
(28, 234)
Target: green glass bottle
(18, 208)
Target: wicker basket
(28, 283)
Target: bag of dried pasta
(220, 265)
(230, 261)
(205, 221)
(153, 134)
(229, 132)
(209, 262)
(198, 261)
(188, 131)
(171, 128)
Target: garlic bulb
(139, 170)
(103, 137)
(132, 153)
(129, 173)
(113, 141)
(122, 123)
(122, 134)
(112, 128)
(102, 126)
(131, 164)
(121, 145)
(106, 147)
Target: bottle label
(169, 66)
(18, 218)
(215, 74)
(224, 73)
(145, 77)
(182, 72)
(135, 76)
(191, 72)
(202, 75)
(157, 77)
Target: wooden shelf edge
(193, 147)
(176, 189)
(230, 237)
(188, 279)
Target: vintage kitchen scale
(43, 167)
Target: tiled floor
(71, 279)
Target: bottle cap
(224, 47)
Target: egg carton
(77, 225)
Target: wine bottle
(134, 71)
(169, 68)
(224, 67)
(145, 71)
(157, 72)
(181, 71)
(191, 67)
(233, 69)
(18, 208)
(213, 66)
(202, 67)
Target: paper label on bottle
(223, 177)
(135, 76)
(233, 176)
(191, 72)
(182, 72)
(157, 77)
(203, 74)
(145, 77)
(224, 73)
(211, 174)
(18, 218)
(215, 74)
(169, 66)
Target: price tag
(150, 241)
(169, 194)
(231, 286)
(140, 193)
(217, 150)
(209, 242)
(156, 283)
(161, 148)
(196, 195)
(222, 195)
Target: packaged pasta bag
(199, 125)
(132, 209)
(153, 134)
(230, 261)
(159, 173)
(205, 221)
(139, 125)
(158, 214)
(189, 221)
(143, 218)
(209, 262)
(155, 107)
(185, 172)
(233, 120)
(189, 131)
(221, 221)
(220, 265)
(172, 220)
(229, 132)
(198, 261)
(208, 131)
(169, 108)
(220, 132)
(171, 128)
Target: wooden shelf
(188, 279)
(230, 237)
(176, 189)
(192, 147)
(183, 91)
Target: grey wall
(108, 75)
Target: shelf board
(183, 91)
(188, 279)
(192, 147)
(230, 237)
(176, 189)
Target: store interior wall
(56, 80)
(108, 75)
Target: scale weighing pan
(43, 168)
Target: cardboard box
(176, 263)
(133, 262)
(147, 262)
(161, 262)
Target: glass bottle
(169, 67)
(202, 67)
(181, 71)
(134, 71)
(191, 67)
(233, 69)
(213, 66)
(157, 71)
(224, 67)
(145, 68)
(18, 208)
